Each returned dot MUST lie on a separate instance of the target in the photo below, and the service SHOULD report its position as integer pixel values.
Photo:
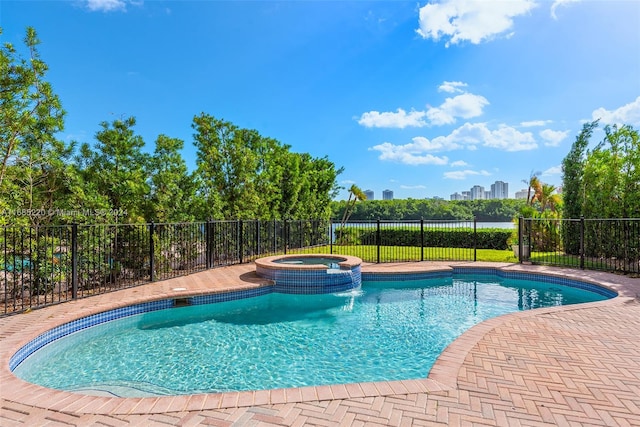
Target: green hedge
(486, 238)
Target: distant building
(499, 190)
(387, 195)
(456, 196)
(522, 194)
(369, 194)
(466, 195)
(477, 192)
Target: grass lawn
(411, 253)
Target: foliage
(33, 173)
(485, 238)
(355, 194)
(244, 175)
(497, 210)
(603, 182)
(172, 187)
(117, 167)
(612, 175)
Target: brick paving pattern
(565, 366)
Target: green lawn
(369, 253)
(411, 253)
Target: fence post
(151, 252)
(285, 234)
(582, 242)
(207, 243)
(240, 241)
(275, 236)
(74, 261)
(421, 239)
(378, 240)
(301, 231)
(257, 237)
(331, 236)
(520, 237)
(475, 239)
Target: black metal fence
(51, 264)
(403, 241)
(596, 244)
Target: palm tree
(355, 194)
(547, 198)
(535, 185)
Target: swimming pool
(384, 331)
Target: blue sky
(423, 98)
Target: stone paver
(574, 365)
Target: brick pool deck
(572, 365)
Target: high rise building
(522, 194)
(369, 194)
(456, 196)
(499, 190)
(387, 195)
(477, 192)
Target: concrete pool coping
(17, 330)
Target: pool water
(382, 331)
(329, 262)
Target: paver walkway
(574, 365)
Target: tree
(355, 194)
(172, 188)
(534, 185)
(244, 175)
(573, 170)
(227, 166)
(548, 198)
(318, 176)
(116, 169)
(34, 163)
(611, 175)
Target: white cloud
(408, 154)
(509, 139)
(413, 187)
(466, 106)
(420, 143)
(467, 136)
(553, 138)
(504, 138)
(535, 123)
(628, 114)
(557, 3)
(451, 87)
(106, 5)
(470, 20)
(464, 174)
(555, 170)
(459, 163)
(399, 119)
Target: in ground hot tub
(311, 273)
